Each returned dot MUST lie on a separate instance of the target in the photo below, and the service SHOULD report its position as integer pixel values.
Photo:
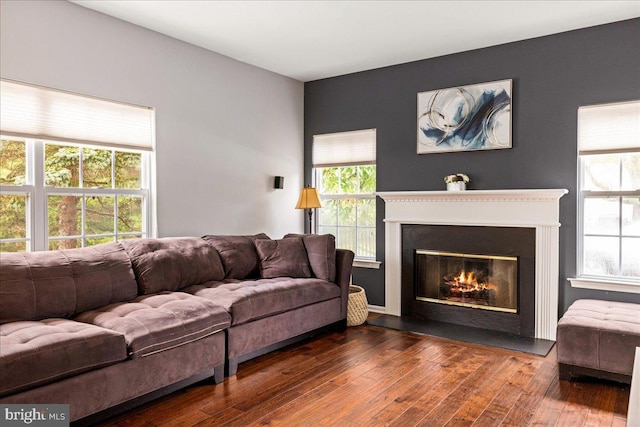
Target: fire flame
(467, 281)
(469, 278)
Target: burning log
(468, 286)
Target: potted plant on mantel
(456, 182)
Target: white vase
(456, 186)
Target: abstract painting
(465, 118)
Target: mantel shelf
(474, 195)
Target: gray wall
(224, 128)
(552, 77)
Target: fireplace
(482, 277)
(536, 211)
(486, 282)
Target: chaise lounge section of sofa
(77, 329)
(108, 327)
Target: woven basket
(357, 310)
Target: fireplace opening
(502, 260)
(469, 280)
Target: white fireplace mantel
(539, 209)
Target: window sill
(605, 285)
(364, 263)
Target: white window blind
(344, 148)
(28, 111)
(609, 127)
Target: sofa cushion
(38, 285)
(37, 353)
(321, 251)
(238, 254)
(254, 299)
(153, 323)
(169, 264)
(282, 258)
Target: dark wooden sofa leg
(565, 372)
(340, 325)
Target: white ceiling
(309, 40)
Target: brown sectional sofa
(117, 324)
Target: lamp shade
(308, 199)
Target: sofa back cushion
(171, 263)
(238, 254)
(283, 258)
(321, 251)
(37, 285)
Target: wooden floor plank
(444, 412)
(349, 383)
(357, 363)
(263, 383)
(222, 417)
(622, 401)
(532, 395)
(600, 412)
(510, 392)
(432, 398)
(278, 416)
(405, 399)
(579, 401)
(382, 378)
(552, 405)
(372, 376)
(474, 405)
(419, 378)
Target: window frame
(592, 281)
(617, 283)
(363, 261)
(38, 235)
(27, 191)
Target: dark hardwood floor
(372, 376)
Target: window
(15, 196)
(345, 175)
(609, 195)
(57, 192)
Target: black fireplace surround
(497, 241)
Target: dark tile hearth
(452, 331)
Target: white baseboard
(377, 309)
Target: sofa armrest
(344, 264)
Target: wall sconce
(278, 182)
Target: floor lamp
(309, 199)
